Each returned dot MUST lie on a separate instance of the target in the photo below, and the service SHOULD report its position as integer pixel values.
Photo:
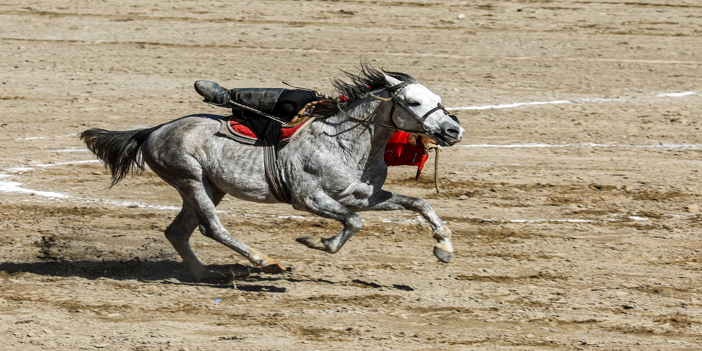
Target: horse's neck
(364, 144)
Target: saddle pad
(244, 131)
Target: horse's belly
(243, 177)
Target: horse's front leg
(323, 205)
(387, 201)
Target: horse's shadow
(164, 272)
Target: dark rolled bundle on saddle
(281, 102)
(250, 104)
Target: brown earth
(585, 234)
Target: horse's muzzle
(451, 133)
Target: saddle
(235, 128)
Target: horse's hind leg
(195, 193)
(179, 232)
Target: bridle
(394, 90)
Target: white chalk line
(513, 105)
(73, 149)
(613, 219)
(66, 163)
(682, 146)
(23, 169)
(561, 102)
(664, 146)
(683, 94)
(14, 187)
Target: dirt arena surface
(574, 200)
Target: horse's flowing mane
(367, 79)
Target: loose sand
(575, 210)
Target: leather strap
(274, 175)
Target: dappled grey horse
(331, 167)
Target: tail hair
(120, 150)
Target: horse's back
(186, 137)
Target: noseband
(420, 119)
(394, 90)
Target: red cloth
(245, 131)
(399, 153)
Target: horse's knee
(421, 205)
(354, 223)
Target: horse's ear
(391, 81)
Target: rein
(250, 109)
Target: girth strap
(271, 168)
(274, 176)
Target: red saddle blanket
(398, 152)
(243, 130)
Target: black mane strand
(367, 80)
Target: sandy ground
(575, 210)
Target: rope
(436, 169)
(305, 88)
(427, 148)
(430, 147)
(380, 98)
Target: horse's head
(416, 108)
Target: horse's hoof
(443, 255)
(273, 268)
(312, 241)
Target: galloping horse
(331, 167)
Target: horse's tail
(120, 150)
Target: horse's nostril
(453, 132)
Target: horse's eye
(414, 103)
